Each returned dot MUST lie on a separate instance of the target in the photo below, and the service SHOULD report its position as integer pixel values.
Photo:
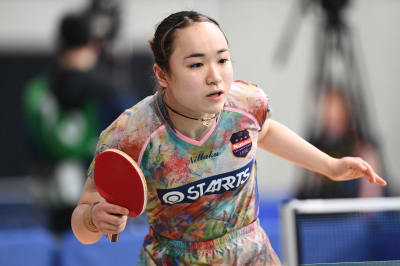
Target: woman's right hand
(109, 218)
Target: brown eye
(197, 65)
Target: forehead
(199, 37)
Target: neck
(206, 121)
(192, 126)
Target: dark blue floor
(37, 246)
(25, 239)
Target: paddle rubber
(120, 181)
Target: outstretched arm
(280, 140)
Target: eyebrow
(202, 55)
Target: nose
(214, 75)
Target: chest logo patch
(241, 143)
(212, 185)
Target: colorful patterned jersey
(197, 189)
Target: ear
(161, 75)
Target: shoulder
(244, 88)
(246, 94)
(131, 129)
(247, 97)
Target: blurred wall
(253, 29)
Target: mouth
(215, 94)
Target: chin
(217, 109)
(213, 107)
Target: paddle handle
(113, 237)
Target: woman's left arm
(280, 140)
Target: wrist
(88, 219)
(331, 168)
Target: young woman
(196, 142)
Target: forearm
(280, 140)
(82, 225)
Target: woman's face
(200, 73)
(336, 114)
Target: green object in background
(61, 133)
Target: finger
(368, 171)
(374, 178)
(362, 164)
(115, 209)
(107, 226)
(357, 168)
(380, 180)
(371, 174)
(111, 229)
(115, 219)
(104, 216)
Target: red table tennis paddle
(120, 181)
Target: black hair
(162, 43)
(74, 32)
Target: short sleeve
(108, 139)
(266, 99)
(251, 99)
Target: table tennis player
(195, 140)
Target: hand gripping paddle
(120, 181)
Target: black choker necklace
(206, 121)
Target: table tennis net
(341, 231)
